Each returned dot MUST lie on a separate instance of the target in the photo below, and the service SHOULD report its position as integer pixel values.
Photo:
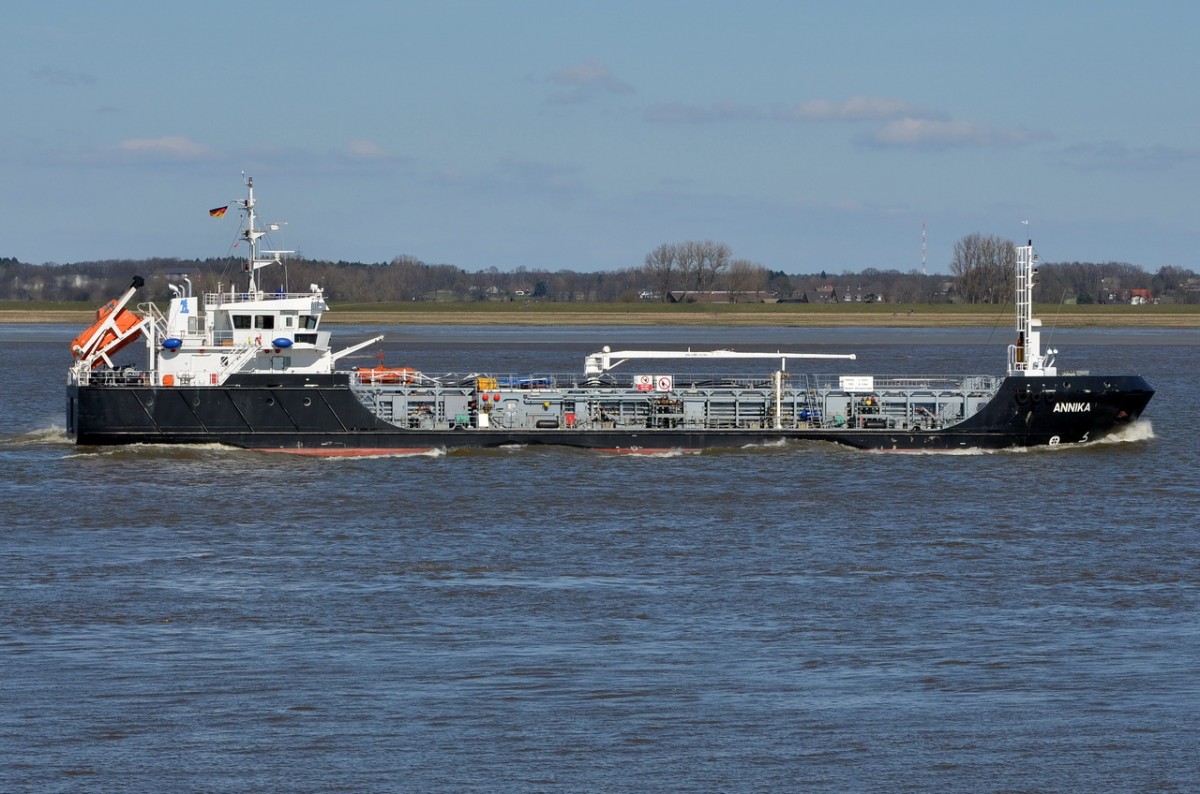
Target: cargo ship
(257, 369)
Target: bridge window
(241, 321)
(264, 321)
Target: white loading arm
(607, 359)
(355, 348)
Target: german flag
(219, 212)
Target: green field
(535, 313)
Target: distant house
(720, 296)
(1140, 297)
(1125, 296)
(1111, 291)
(825, 294)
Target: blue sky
(571, 135)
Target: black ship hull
(321, 415)
(251, 368)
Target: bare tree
(662, 268)
(712, 259)
(985, 268)
(745, 277)
(691, 261)
(692, 265)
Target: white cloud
(585, 81)
(679, 113)
(1112, 156)
(365, 150)
(855, 108)
(938, 134)
(64, 77)
(172, 147)
(518, 178)
(898, 123)
(543, 177)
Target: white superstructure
(203, 340)
(1025, 357)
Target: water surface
(777, 618)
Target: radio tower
(923, 273)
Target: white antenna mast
(256, 259)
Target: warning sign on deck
(856, 383)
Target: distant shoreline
(904, 317)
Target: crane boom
(606, 359)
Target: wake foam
(42, 435)
(961, 452)
(415, 453)
(1141, 430)
(638, 452)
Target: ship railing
(942, 383)
(648, 383)
(678, 383)
(122, 376)
(212, 339)
(216, 299)
(157, 321)
(398, 376)
(236, 360)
